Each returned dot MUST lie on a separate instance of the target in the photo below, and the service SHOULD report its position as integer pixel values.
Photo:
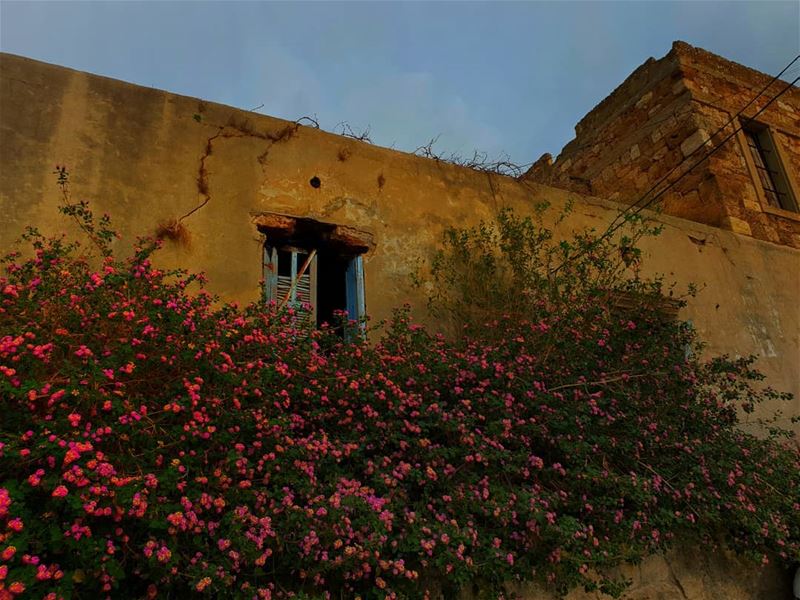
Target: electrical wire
(616, 223)
(703, 145)
(713, 150)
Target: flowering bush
(156, 444)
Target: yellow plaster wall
(138, 153)
(700, 573)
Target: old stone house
(662, 114)
(259, 195)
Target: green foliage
(155, 443)
(516, 267)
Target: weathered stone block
(644, 100)
(737, 225)
(750, 198)
(679, 87)
(693, 142)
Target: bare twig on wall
(479, 161)
(344, 129)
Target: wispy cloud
(409, 109)
(286, 85)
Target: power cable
(615, 225)
(713, 135)
(711, 152)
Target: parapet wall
(148, 157)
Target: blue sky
(500, 77)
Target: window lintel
(305, 232)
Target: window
(323, 279)
(290, 275)
(626, 304)
(769, 170)
(307, 262)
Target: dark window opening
(769, 169)
(284, 263)
(332, 273)
(315, 265)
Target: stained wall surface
(688, 574)
(148, 157)
(662, 119)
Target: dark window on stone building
(769, 169)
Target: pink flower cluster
(174, 446)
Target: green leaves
(156, 443)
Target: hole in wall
(315, 182)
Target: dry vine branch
(242, 129)
(479, 161)
(312, 121)
(348, 131)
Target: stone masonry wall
(719, 90)
(658, 117)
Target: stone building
(257, 197)
(664, 113)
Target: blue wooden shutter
(286, 280)
(270, 274)
(277, 286)
(354, 287)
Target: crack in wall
(238, 129)
(675, 579)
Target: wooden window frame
(305, 237)
(793, 191)
(291, 290)
(624, 301)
